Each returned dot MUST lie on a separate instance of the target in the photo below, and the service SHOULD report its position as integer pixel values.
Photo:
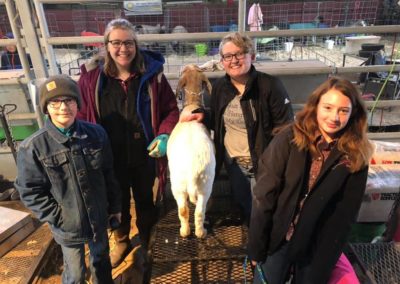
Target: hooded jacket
(158, 115)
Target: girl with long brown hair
(309, 188)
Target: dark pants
(138, 180)
(74, 262)
(242, 181)
(276, 268)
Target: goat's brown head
(192, 84)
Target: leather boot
(122, 246)
(145, 221)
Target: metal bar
(383, 103)
(242, 16)
(287, 70)
(7, 133)
(11, 41)
(219, 35)
(328, 31)
(76, 1)
(17, 36)
(22, 116)
(384, 136)
(25, 15)
(282, 71)
(13, 81)
(45, 34)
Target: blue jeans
(274, 269)
(242, 181)
(74, 262)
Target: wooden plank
(11, 221)
(7, 244)
(32, 276)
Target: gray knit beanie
(56, 86)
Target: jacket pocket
(93, 156)
(55, 161)
(58, 170)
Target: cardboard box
(385, 153)
(383, 188)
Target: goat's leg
(183, 213)
(199, 215)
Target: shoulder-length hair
(137, 65)
(352, 139)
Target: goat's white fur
(191, 157)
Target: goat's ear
(207, 83)
(197, 68)
(181, 85)
(209, 87)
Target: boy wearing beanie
(65, 177)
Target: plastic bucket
(288, 46)
(329, 44)
(201, 49)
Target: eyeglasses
(228, 57)
(118, 43)
(56, 103)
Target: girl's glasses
(118, 43)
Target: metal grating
(223, 242)
(212, 271)
(218, 258)
(18, 265)
(218, 209)
(381, 261)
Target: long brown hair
(352, 140)
(137, 65)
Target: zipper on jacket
(253, 110)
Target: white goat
(191, 154)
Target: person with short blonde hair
(246, 107)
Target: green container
(366, 232)
(20, 132)
(201, 49)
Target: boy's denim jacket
(69, 181)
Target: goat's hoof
(201, 233)
(184, 232)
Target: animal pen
(302, 42)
